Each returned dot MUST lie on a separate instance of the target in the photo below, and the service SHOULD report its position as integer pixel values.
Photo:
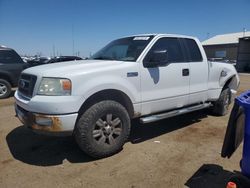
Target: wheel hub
(108, 129)
(3, 89)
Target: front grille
(26, 85)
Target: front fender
(221, 75)
(100, 83)
(8, 76)
(229, 78)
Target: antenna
(208, 34)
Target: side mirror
(156, 58)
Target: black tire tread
(85, 124)
(218, 108)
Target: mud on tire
(221, 106)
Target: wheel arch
(6, 77)
(232, 83)
(109, 94)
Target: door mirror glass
(156, 58)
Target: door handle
(185, 72)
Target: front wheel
(103, 129)
(221, 106)
(5, 89)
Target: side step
(157, 117)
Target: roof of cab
(4, 48)
(163, 35)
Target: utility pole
(244, 31)
(53, 50)
(208, 34)
(73, 41)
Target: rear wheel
(221, 106)
(5, 89)
(103, 129)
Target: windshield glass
(125, 49)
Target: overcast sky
(84, 26)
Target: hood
(65, 69)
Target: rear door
(198, 71)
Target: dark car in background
(11, 66)
(34, 61)
(63, 58)
(45, 60)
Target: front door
(165, 87)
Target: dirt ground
(162, 154)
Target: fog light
(44, 121)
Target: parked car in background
(63, 58)
(46, 60)
(37, 61)
(11, 66)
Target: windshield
(125, 49)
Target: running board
(157, 117)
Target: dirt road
(162, 154)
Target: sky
(67, 27)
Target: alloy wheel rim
(3, 89)
(107, 130)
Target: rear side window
(194, 54)
(9, 57)
(173, 48)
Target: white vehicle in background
(150, 77)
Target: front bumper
(47, 124)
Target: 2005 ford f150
(150, 77)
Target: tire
(221, 106)
(103, 129)
(5, 89)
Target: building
(224, 47)
(243, 55)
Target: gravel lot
(162, 154)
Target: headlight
(55, 86)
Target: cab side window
(194, 54)
(173, 48)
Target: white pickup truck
(150, 77)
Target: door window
(173, 48)
(9, 57)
